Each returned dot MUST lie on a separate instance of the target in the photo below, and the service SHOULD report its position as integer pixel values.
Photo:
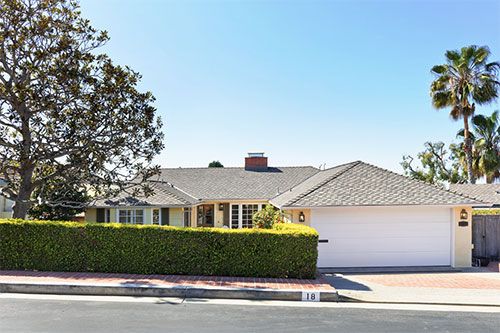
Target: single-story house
(487, 193)
(366, 216)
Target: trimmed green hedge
(491, 211)
(287, 250)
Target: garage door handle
(323, 241)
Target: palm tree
(467, 78)
(486, 150)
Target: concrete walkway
(163, 286)
(454, 288)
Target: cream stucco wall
(5, 207)
(293, 216)
(90, 215)
(218, 217)
(176, 217)
(113, 217)
(462, 238)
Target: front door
(205, 216)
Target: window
(247, 212)
(235, 216)
(107, 215)
(187, 217)
(131, 216)
(156, 216)
(241, 215)
(205, 216)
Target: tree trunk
(20, 209)
(468, 151)
(23, 200)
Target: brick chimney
(256, 162)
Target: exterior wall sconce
(464, 215)
(302, 217)
(221, 206)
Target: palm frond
(439, 69)
(452, 55)
(441, 99)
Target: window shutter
(165, 216)
(100, 215)
(226, 215)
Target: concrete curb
(159, 291)
(350, 299)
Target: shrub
(491, 211)
(287, 250)
(267, 217)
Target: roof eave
(141, 206)
(392, 205)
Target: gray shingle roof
(235, 183)
(310, 184)
(164, 195)
(362, 184)
(488, 193)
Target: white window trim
(189, 210)
(240, 212)
(133, 215)
(159, 215)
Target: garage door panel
(370, 229)
(374, 236)
(379, 214)
(389, 259)
(388, 244)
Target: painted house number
(310, 296)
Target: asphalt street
(45, 313)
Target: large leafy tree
(62, 201)
(485, 136)
(465, 79)
(436, 164)
(215, 164)
(66, 111)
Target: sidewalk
(163, 285)
(453, 288)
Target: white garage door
(380, 236)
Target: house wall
(5, 207)
(176, 217)
(218, 217)
(462, 238)
(112, 213)
(219, 214)
(90, 215)
(293, 216)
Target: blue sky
(307, 82)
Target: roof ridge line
(422, 182)
(242, 167)
(173, 194)
(278, 194)
(314, 188)
(175, 188)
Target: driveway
(471, 287)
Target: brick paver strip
(163, 280)
(432, 280)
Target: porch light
(221, 206)
(302, 217)
(464, 215)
